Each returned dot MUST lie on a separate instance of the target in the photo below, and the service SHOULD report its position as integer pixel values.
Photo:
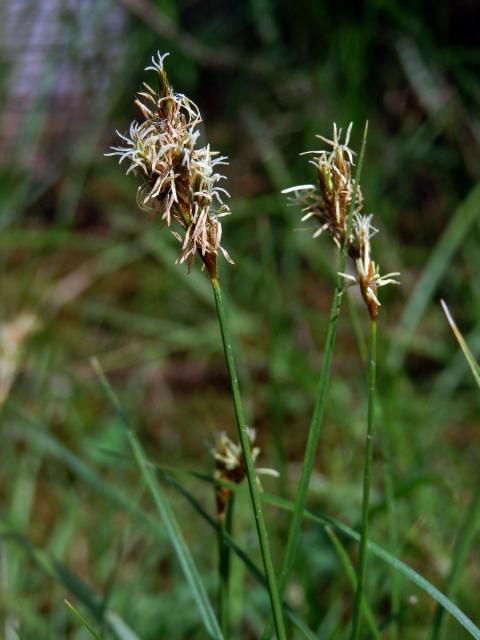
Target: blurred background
(83, 275)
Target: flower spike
(329, 201)
(179, 178)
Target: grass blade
(461, 221)
(168, 518)
(388, 558)
(350, 571)
(82, 591)
(82, 621)
(472, 363)
(367, 482)
(468, 528)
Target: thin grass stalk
(28, 429)
(367, 482)
(318, 412)
(249, 466)
(165, 510)
(350, 571)
(225, 525)
(393, 538)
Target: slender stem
(318, 412)
(249, 466)
(367, 481)
(225, 527)
(395, 604)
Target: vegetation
(118, 495)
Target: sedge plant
(331, 203)
(230, 468)
(335, 203)
(180, 186)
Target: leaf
(37, 434)
(472, 363)
(82, 620)
(182, 551)
(82, 470)
(350, 571)
(462, 219)
(387, 557)
(81, 590)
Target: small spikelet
(328, 202)
(230, 465)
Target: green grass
(79, 521)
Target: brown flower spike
(329, 203)
(179, 179)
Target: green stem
(317, 417)
(395, 604)
(225, 529)
(249, 466)
(367, 482)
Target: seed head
(230, 465)
(329, 202)
(179, 178)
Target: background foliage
(83, 275)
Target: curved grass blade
(36, 433)
(387, 557)
(85, 594)
(472, 363)
(182, 551)
(350, 571)
(82, 621)
(230, 541)
(462, 219)
(468, 528)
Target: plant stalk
(318, 412)
(249, 466)
(224, 556)
(367, 482)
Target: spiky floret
(329, 200)
(179, 178)
(368, 275)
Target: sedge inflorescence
(330, 202)
(180, 180)
(230, 465)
